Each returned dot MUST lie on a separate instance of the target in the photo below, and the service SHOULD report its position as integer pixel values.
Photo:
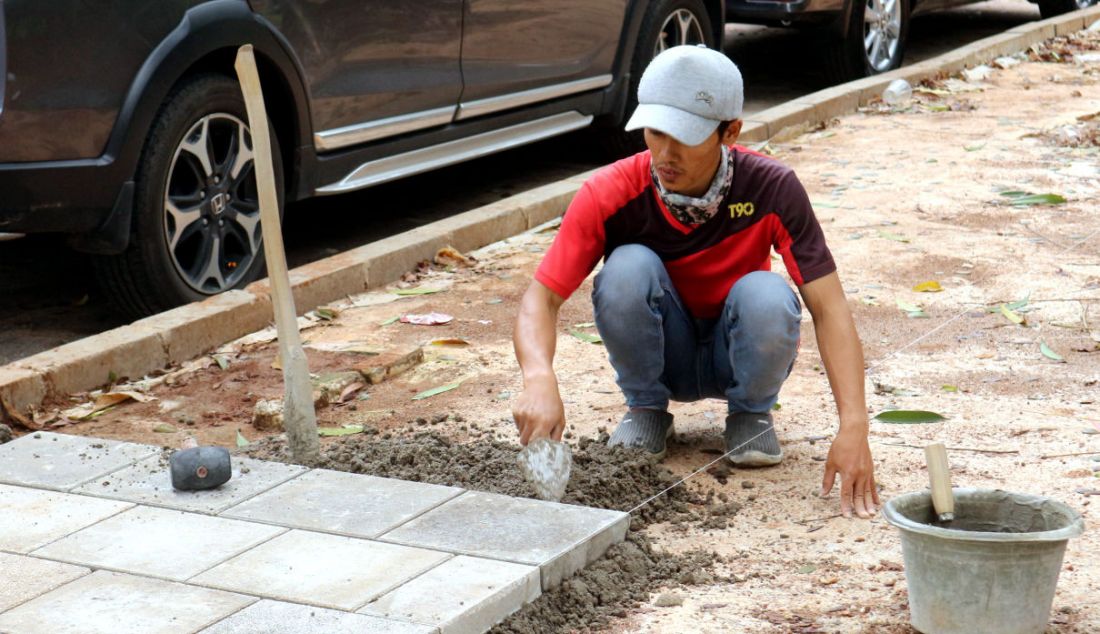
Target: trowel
(939, 475)
(546, 464)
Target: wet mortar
(602, 477)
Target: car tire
(875, 42)
(666, 23)
(195, 229)
(1051, 8)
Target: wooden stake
(939, 473)
(299, 418)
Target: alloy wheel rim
(680, 27)
(211, 206)
(881, 32)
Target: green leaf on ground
(1027, 199)
(1050, 354)
(587, 337)
(1019, 305)
(436, 390)
(777, 407)
(950, 388)
(974, 148)
(931, 286)
(222, 361)
(807, 569)
(391, 320)
(164, 428)
(241, 440)
(1013, 316)
(892, 236)
(909, 417)
(327, 314)
(911, 310)
(346, 430)
(417, 291)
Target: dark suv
(861, 37)
(122, 123)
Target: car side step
(436, 156)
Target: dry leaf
(451, 341)
(930, 286)
(350, 391)
(451, 256)
(103, 401)
(17, 416)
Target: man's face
(687, 169)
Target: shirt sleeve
(800, 240)
(577, 248)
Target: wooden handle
(299, 417)
(939, 474)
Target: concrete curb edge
(189, 331)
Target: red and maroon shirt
(766, 207)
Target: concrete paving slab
(345, 503)
(161, 543)
(110, 602)
(60, 462)
(293, 618)
(559, 538)
(149, 482)
(26, 577)
(31, 518)
(464, 595)
(318, 569)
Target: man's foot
(644, 429)
(751, 447)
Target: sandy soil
(906, 196)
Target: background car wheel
(877, 33)
(667, 23)
(195, 231)
(1051, 8)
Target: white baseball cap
(686, 91)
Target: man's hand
(539, 412)
(850, 457)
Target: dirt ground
(906, 195)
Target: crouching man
(685, 302)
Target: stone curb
(189, 331)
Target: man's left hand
(850, 458)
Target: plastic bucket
(992, 569)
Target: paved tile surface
(159, 542)
(149, 482)
(112, 603)
(23, 578)
(31, 518)
(94, 539)
(319, 569)
(292, 618)
(560, 538)
(61, 462)
(345, 503)
(463, 595)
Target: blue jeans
(660, 352)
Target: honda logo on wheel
(218, 203)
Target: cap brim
(687, 128)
